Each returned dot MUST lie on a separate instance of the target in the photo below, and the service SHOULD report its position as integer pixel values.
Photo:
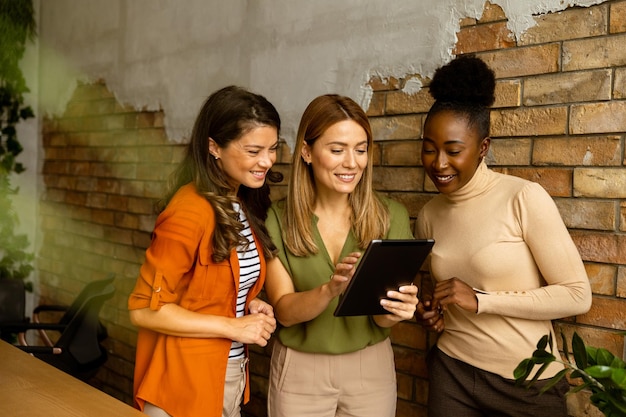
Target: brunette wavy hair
(370, 216)
(225, 116)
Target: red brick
(529, 121)
(606, 312)
(483, 38)
(587, 214)
(600, 182)
(117, 202)
(596, 337)
(412, 201)
(515, 62)
(399, 102)
(569, 24)
(377, 104)
(408, 361)
(601, 278)
(398, 179)
(406, 334)
(617, 22)
(405, 408)
(601, 247)
(557, 182)
(508, 94)
(621, 282)
(397, 127)
(600, 52)
(598, 117)
(405, 386)
(509, 152)
(421, 391)
(580, 150)
(401, 153)
(568, 87)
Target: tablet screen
(386, 265)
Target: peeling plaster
(159, 55)
(412, 86)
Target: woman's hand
(456, 292)
(401, 305)
(343, 273)
(254, 328)
(259, 306)
(430, 317)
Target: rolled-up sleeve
(178, 234)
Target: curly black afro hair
(465, 86)
(465, 79)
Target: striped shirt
(249, 270)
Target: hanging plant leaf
(17, 27)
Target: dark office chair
(78, 351)
(12, 306)
(70, 311)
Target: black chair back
(81, 353)
(12, 304)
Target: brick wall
(559, 119)
(104, 166)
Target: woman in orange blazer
(195, 301)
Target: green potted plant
(597, 369)
(17, 27)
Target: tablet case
(387, 264)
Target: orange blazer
(185, 376)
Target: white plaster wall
(171, 54)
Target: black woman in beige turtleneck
(504, 264)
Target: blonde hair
(369, 217)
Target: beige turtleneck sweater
(503, 235)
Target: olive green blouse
(326, 333)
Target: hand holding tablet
(385, 265)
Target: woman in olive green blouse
(324, 365)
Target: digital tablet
(385, 265)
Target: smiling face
(338, 157)
(247, 160)
(451, 151)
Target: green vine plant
(17, 27)
(597, 369)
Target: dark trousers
(460, 390)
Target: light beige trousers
(356, 384)
(233, 392)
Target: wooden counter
(30, 387)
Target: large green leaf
(541, 356)
(523, 370)
(565, 347)
(543, 342)
(619, 378)
(599, 371)
(603, 357)
(580, 353)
